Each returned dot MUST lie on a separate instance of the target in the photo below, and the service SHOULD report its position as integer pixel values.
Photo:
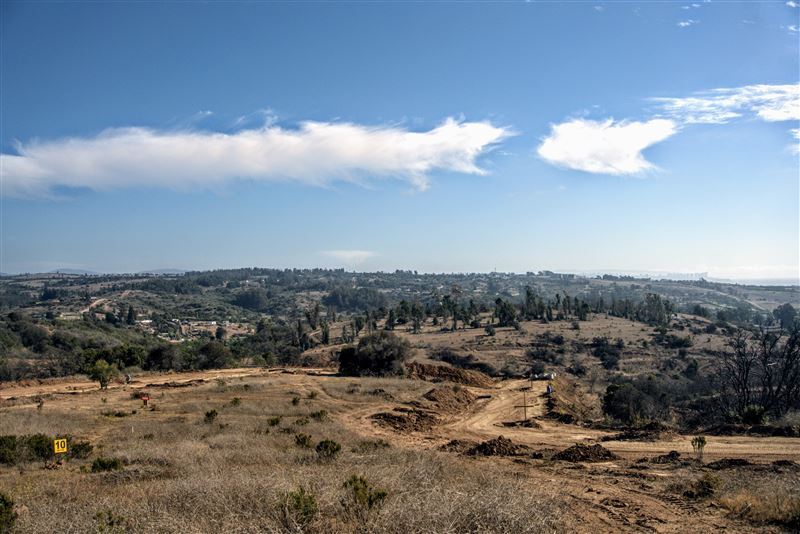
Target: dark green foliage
(101, 464)
(754, 414)
(8, 516)
(299, 507)
(210, 416)
(379, 354)
(253, 299)
(328, 449)
(608, 353)
(362, 495)
(302, 440)
(786, 315)
(213, 355)
(349, 299)
(490, 330)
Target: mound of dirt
(441, 373)
(458, 445)
(450, 400)
(585, 453)
(728, 463)
(407, 420)
(498, 446)
(672, 457)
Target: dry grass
(766, 498)
(184, 475)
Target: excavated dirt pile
(499, 446)
(450, 400)
(427, 413)
(407, 420)
(441, 373)
(458, 445)
(585, 453)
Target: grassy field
(254, 467)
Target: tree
(761, 371)
(379, 354)
(164, 358)
(220, 334)
(131, 319)
(213, 355)
(103, 373)
(391, 320)
(786, 315)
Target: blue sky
(573, 136)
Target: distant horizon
(592, 273)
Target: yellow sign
(60, 445)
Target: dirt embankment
(435, 407)
(441, 373)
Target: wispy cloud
(604, 147)
(314, 153)
(687, 23)
(615, 147)
(769, 102)
(795, 147)
(792, 3)
(350, 257)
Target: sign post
(60, 446)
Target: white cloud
(792, 28)
(604, 147)
(791, 3)
(350, 257)
(314, 153)
(795, 147)
(687, 23)
(771, 103)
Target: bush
(211, 416)
(299, 507)
(7, 515)
(379, 354)
(80, 449)
(754, 414)
(328, 449)
(362, 496)
(302, 440)
(321, 415)
(274, 421)
(490, 330)
(106, 464)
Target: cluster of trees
(378, 354)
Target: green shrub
(110, 523)
(321, 415)
(301, 421)
(299, 507)
(302, 440)
(328, 449)
(295, 401)
(106, 464)
(236, 401)
(80, 449)
(8, 450)
(274, 421)
(7, 515)
(362, 495)
(211, 416)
